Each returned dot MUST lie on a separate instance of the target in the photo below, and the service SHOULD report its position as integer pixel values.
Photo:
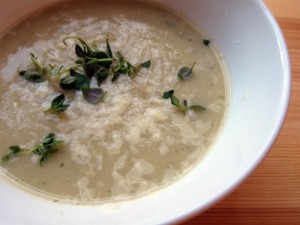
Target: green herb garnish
(197, 107)
(102, 75)
(54, 70)
(39, 66)
(42, 150)
(185, 73)
(206, 42)
(58, 104)
(168, 94)
(74, 81)
(32, 76)
(175, 101)
(91, 60)
(122, 67)
(92, 63)
(35, 75)
(183, 107)
(108, 49)
(93, 95)
(85, 46)
(100, 64)
(146, 64)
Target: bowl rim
(285, 101)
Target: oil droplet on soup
(133, 141)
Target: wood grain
(284, 8)
(271, 195)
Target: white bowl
(259, 72)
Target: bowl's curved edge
(285, 101)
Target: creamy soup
(132, 141)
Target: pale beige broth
(133, 141)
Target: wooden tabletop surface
(271, 195)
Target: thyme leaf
(197, 107)
(167, 94)
(58, 104)
(108, 49)
(93, 95)
(146, 64)
(115, 76)
(206, 42)
(185, 73)
(80, 52)
(175, 101)
(101, 75)
(74, 81)
(32, 76)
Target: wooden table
(271, 195)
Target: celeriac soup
(106, 100)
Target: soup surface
(132, 141)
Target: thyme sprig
(91, 63)
(37, 74)
(102, 64)
(42, 150)
(183, 107)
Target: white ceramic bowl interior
(259, 74)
